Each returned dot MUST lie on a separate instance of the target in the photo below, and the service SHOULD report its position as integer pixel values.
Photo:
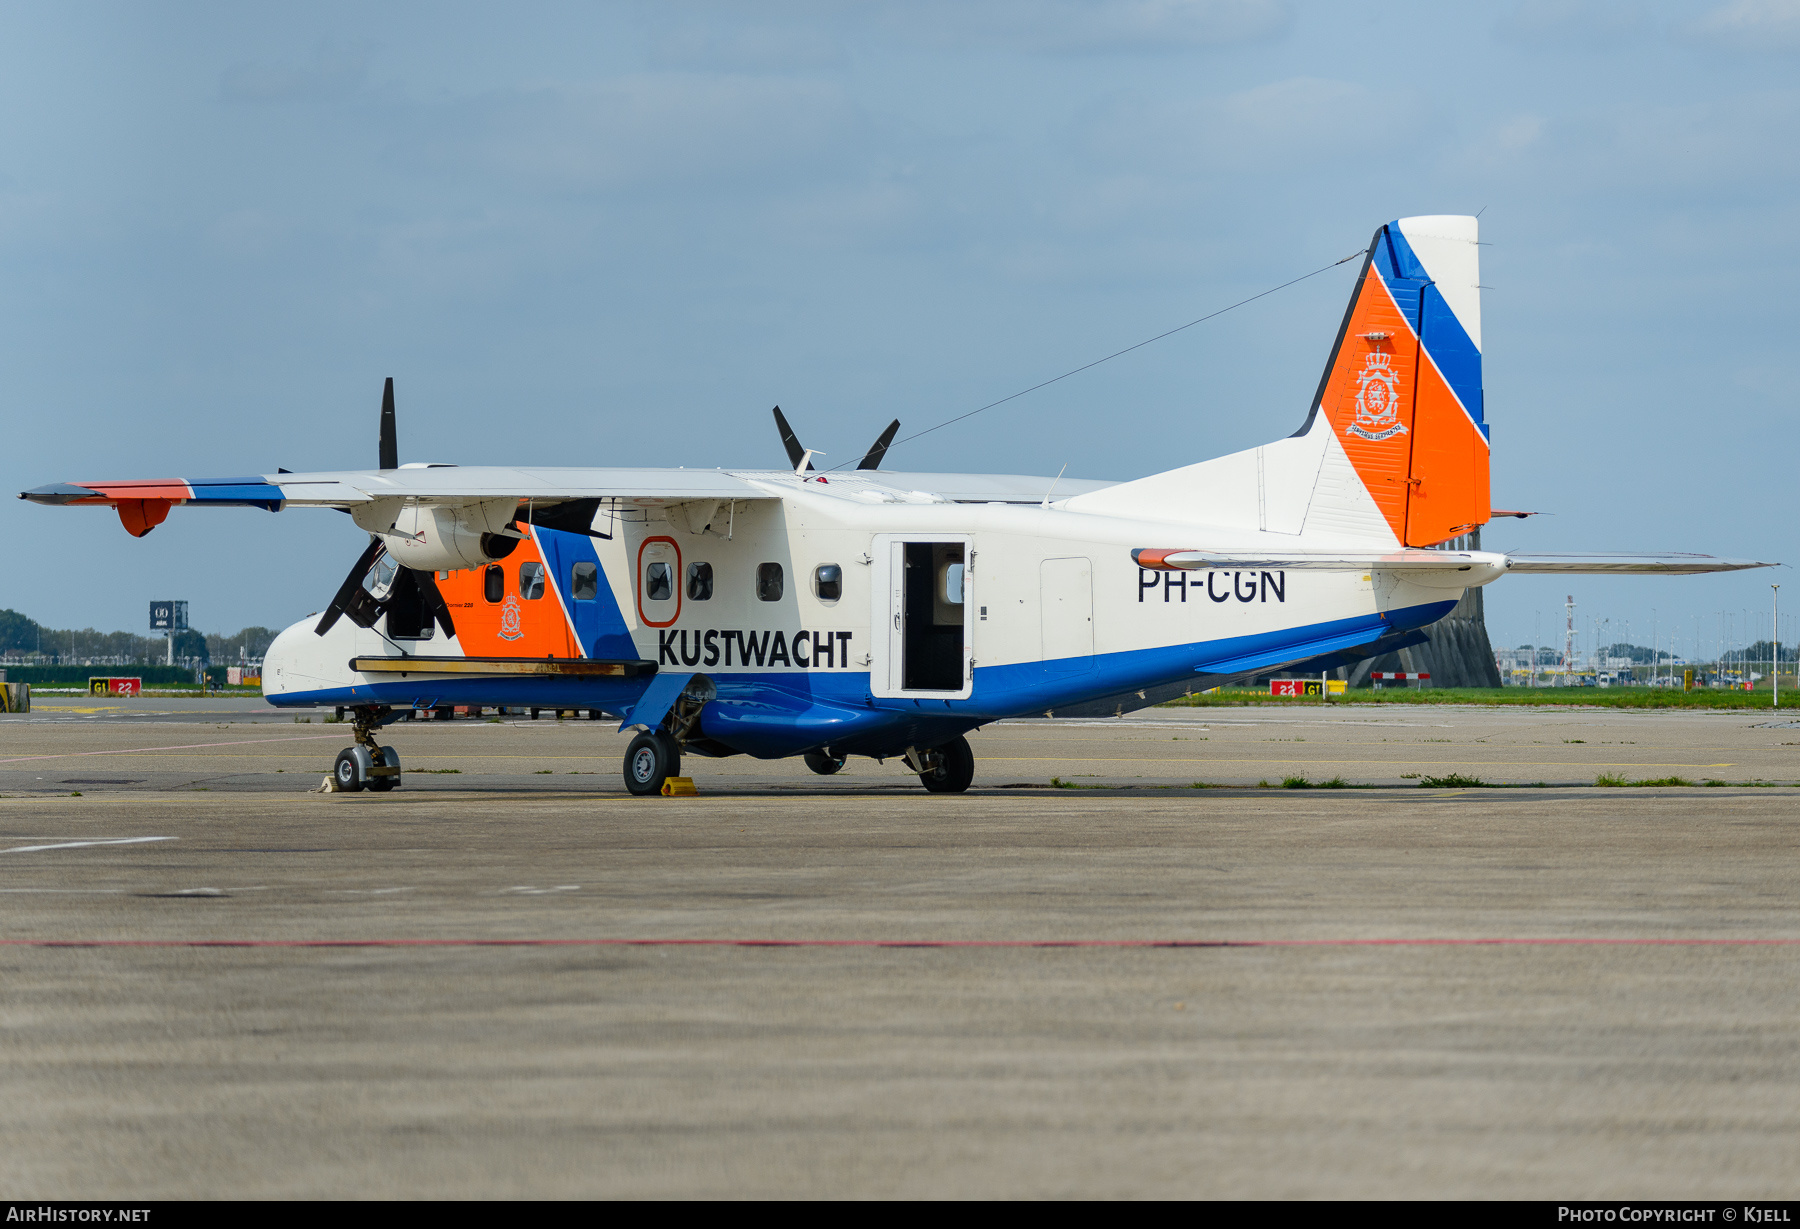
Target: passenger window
(584, 582)
(699, 582)
(951, 590)
(493, 583)
(658, 584)
(768, 582)
(531, 581)
(828, 582)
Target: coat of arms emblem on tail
(1377, 400)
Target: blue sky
(617, 234)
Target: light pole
(1775, 651)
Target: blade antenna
(879, 448)
(790, 441)
(390, 445)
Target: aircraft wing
(435, 483)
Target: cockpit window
(379, 580)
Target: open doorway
(925, 616)
(933, 651)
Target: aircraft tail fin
(1402, 391)
(1395, 449)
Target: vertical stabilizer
(1394, 450)
(1402, 391)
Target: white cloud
(653, 127)
(333, 69)
(1079, 26)
(685, 43)
(1268, 127)
(1751, 25)
(1583, 25)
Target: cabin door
(921, 610)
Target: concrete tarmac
(1630, 1038)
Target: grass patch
(1455, 780)
(1059, 783)
(1563, 697)
(410, 771)
(1295, 783)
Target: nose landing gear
(367, 765)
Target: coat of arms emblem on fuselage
(509, 619)
(1377, 400)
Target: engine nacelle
(432, 537)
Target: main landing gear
(367, 765)
(944, 770)
(652, 758)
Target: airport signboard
(168, 616)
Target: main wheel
(652, 758)
(348, 772)
(955, 768)
(390, 758)
(823, 764)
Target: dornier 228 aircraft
(829, 614)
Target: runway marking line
(242, 742)
(919, 943)
(112, 840)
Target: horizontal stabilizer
(1668, 565)
(1321, 561)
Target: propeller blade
(351, 587)
(433, 601)
(879, 449)
(390, 445)
(790, 441)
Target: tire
(652, 758)
(348, 772)
(956, 768)
(823, 764)
(390, 758)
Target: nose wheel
(824, 765)
(367, 765)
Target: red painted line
(924, 943)
(242, 742)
